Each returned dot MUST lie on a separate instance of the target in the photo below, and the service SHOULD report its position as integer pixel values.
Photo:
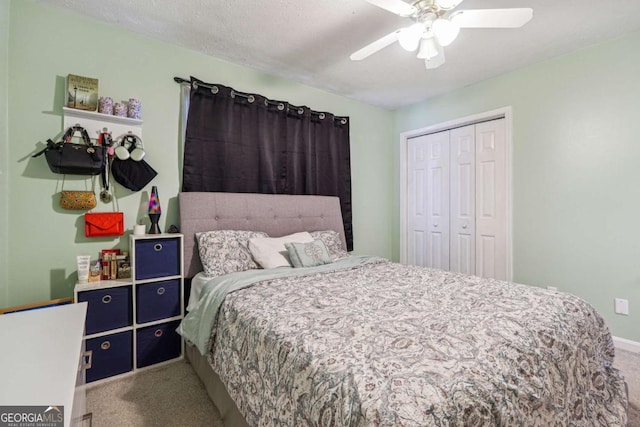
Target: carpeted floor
(629, 364)
(168, 396)
(172, 396)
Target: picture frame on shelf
(82, 92)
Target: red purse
(101, 224)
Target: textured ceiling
(309, 41)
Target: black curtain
(246, 143)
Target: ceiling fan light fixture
(445, 31)
(409, 37)
(436, 61)
(428, 49)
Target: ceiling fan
(436, 25)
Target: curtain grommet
(214, 90)
(195, 85)
(321, 115)
(300, 110)
(280, 106)
(251, 98)
(232, 93)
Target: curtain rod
(251, 98)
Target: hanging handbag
(128, 167)
(77, 200)
(103, 224)
(77, 159)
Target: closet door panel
(462, 200)
(417, 201)
(491, 199)
(437, 190)
(486, 262)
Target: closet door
(416, 201)
(491, 200)
(437, 193)
(457, 201)
(463, 200)
(428, 201)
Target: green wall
(46, 44)
(4, 151)
(576, 171)
(575, 154)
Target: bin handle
(157, 247)
(106, 299)
(85, 362)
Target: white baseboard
(627, 345)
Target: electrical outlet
(622, 306)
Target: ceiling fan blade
(492, 18)
(375, 46)
(395, 6)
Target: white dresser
(40, 352)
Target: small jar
(135, 109)
(105, 105)
(120, 109)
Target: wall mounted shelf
(94, 122)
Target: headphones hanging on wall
(130, 147)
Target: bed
(363, 341)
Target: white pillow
(270, 252)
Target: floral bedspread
(391, 345)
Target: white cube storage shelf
(131, 323)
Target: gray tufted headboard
(275, 214)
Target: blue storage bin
(157, 343)
(111, 355)
(157, 300)
(107, 309)
(157, 258)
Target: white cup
(138, 230)
(83, 262)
